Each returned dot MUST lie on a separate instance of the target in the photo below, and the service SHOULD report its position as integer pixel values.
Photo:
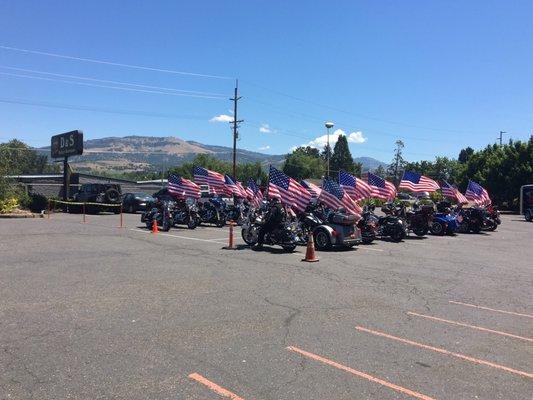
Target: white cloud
(321, 141)
(222, 118)
(264, 148)
(265, 128)
(356, 137)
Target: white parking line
(367, 248)
(178, 236)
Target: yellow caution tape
(87, 204)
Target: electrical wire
(113, 82)
(92, 60)
(101, 109)
(109, 87)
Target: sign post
(65, 145)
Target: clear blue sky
(440, 75)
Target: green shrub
(37, 202)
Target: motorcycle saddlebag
(343, 219)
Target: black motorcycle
(185, 213)
(212, 212)
(418, 219)
(469, 219)
(161, 212)
(368, 224)
(391, 225)
(491, 218)
(285, 235)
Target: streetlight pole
(328, 148)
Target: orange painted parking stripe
(214, 387)
(448, 353)
(359, 373)
(479, 328)
(491, 309)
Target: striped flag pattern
(335, 197)
(415, 182)
(356, 188)
(215, 180)
(287, 190)
(453, 193)
(183, 188)
(476, 193)
(313, 189)
(232, 187)
(256, 197)
(381, 189)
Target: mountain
(369, 163)
(149, 153)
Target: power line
(314, 103)
(101, 109)
(113, 82)
(109, 86)
(105, 62)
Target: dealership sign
(67, 144)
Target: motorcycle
(491, 218)
(368, 224)
(161, 213)
(418, 220)
(284, 236)
(236, 213)
(444, 222)
(470, 219)
(212, 212)
(185, 213)
(329, 228)
(391, 225)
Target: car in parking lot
(137, 201)
(109, 195)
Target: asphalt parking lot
(93, 311)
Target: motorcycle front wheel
(397, 235)
(420, 231)
(191, 224)
(249, 236)
(289, 248)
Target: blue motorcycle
(443, 224)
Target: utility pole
(235, 124)
(501, 134)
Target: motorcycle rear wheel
(191, 224)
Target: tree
(304, 162)
(380, 171)
(398, 163)
(465, 154)
(342, 158)
(17, 158)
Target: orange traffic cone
(310, 252)
(155, 229)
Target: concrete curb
(29, 215)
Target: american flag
(241, 188)
(287, 190)
(476, 193)
(356, 188)
(214, 180)
(313, 189)
(415, 182)
(233, 187)
(381, 189)
(335, 197)
(182, 188)
(452, 192)
(256, 197)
